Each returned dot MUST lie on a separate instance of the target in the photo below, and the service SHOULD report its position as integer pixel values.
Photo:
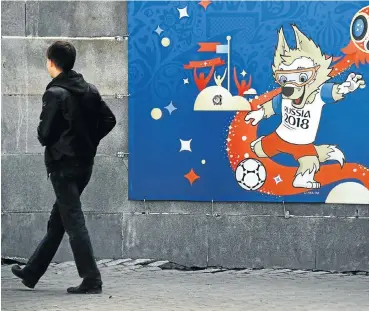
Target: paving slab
(134, 289)
(117, 262)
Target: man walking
(73, 120)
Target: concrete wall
(327, 237)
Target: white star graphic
(185, 145)
(183, 12)
(158, 30)
(170, 108)
(243, 73)
(278, 179)
(185, 81)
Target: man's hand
(255, 115)
(352, 83)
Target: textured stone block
(76, 18)
(139, 262)
(337, 244)
(12, 18)
(21, 233)
(102, 262)
(117, 140)
(343, 245)
(24, 65)
(107, 190)
(178, 238)
(14, 71)
(334, 210)
(106, 234)
(179, 207)
(117, 262)
(262, 242)
(297, 209)
(14, 123)
(246, 208)
(159, 264)
(25, 186)
(20, 118)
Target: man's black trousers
(67, 216)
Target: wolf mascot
(303, 74)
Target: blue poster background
(156, 78)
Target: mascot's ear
(303, 43)
(282, 46)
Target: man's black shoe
(18, 272)
(85, 289)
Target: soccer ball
(251, 174)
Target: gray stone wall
(27, 195)
(316, 236)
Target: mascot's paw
(352, 83)
(307, 185)
(256, 115)
(252, 145)
(306, 181)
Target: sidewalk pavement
(137, 285)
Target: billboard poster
(251, 101)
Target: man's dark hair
(63, 54)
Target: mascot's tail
(241, 135)
(239, 148)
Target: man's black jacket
(73, 120)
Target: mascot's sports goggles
(297, 77)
